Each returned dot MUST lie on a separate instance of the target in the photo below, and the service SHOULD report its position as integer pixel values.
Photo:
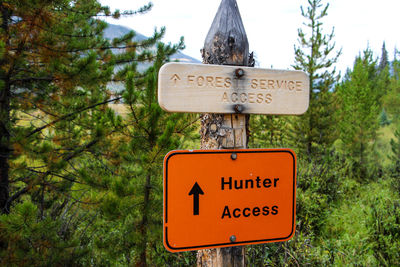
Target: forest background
(81, 162)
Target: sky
(271, 26)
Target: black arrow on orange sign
(196, 192)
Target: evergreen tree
(383, 119)
(358, 114)
(383, 76)
(130, 183)
(384, 61)
(54, 116)
(392, 99)
(316, 56)
(268, 131)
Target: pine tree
(55, 69)
(315, 55)
(383, 75)
(132, 178)
(384, 61)
(383, 119)
(358, 114)
(392, 99)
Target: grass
(348, 227)
(120, 109)
(382, 145)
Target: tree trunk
(4, 148)
(226, 44)
(144, 223)
(4, 123)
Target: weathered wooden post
(225, 44)
(224, 194)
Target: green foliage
(384, 235)
(298, 251)
(384, 61)
(268, 131)
(34, 242)
(394, 170)
(347, 199)
(383, 119)
(315, 55)
(382, 82)
(392, 99)
(130, 177)
(90, 179)
(358, 115)
(82, 186)
(363, 228)
(319, 184)
(343, 217)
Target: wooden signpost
(201, 210)
(242, 197)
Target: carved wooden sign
(201, 88)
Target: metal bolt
(232, 239)
(238, 108)
(239, 73)
(233, 156)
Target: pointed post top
(226, 42)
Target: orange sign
(223, 198)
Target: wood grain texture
(225, 44)
(199, 88)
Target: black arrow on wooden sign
(196, 191)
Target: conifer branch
(181, 130)
(76, 50)
(44, 174)
(71, 115)
(32, 79)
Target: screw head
(238, 108)
(239, 73)
(232, 239)
(233, 156)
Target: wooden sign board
(223, 198)
(201, 88)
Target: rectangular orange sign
(223, 198)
